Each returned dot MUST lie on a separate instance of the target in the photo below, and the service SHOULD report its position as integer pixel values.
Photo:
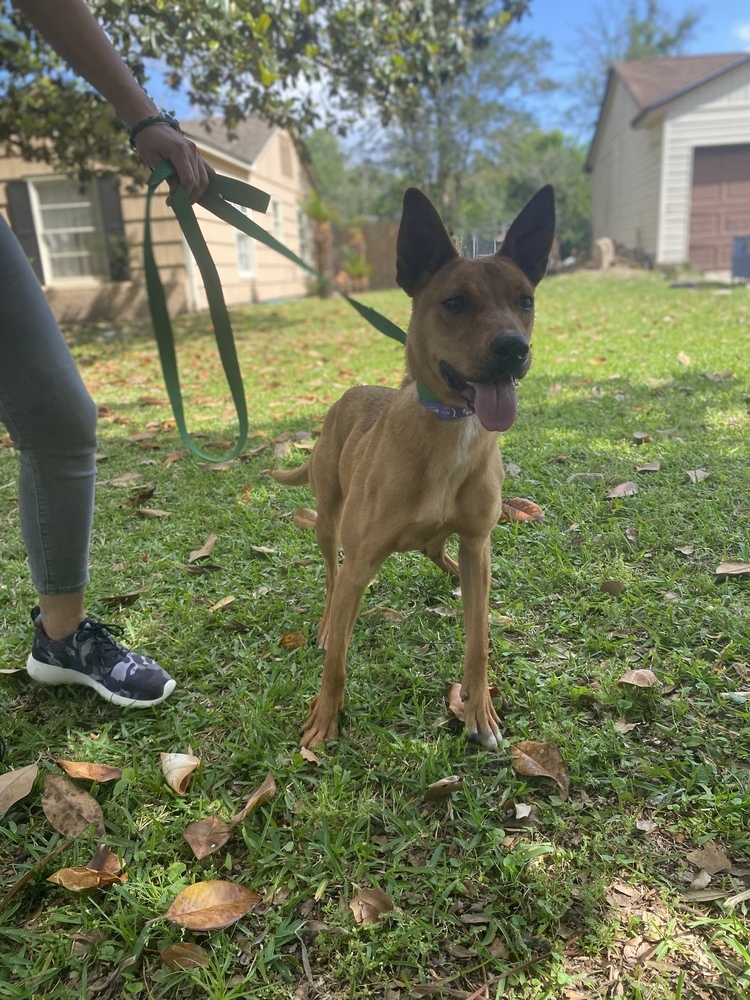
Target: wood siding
(625, 176)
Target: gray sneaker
(92, 657)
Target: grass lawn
(627, 887)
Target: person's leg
(52, 422)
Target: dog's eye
(456, 304)
(526, 303)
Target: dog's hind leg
(327, 534)
(353, 577)
(482, 723)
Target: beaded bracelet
(164, 118)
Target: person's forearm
(74, 33)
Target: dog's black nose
(510, 350)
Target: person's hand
(162, 142)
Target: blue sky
(724, 27)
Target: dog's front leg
(351, 582)
(482, 723)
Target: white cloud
(742, 31)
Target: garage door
(720, 204)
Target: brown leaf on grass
(732, 569)
(222, 603)
(648, 467)
(210, 906)
(292, 640)
(177, 769)
(641, 437)
(719, 376)
(521, 509)
(90, 772)
(121, 600)
(541, 760)
(684, 359)
(612, 587)
(140, 497)
(184, 955)
(628, 489)
(305, 519)
(152, 512)
(202, 569)
(638, 678)
(697, 475)
(82, 878)
(105, 860)
(621, 726)
(710, 858)
(309, 756)
(70, 810)
(205, 550)
(207, 835)
(126, 479)
(443, 788)
(262, 794)
(263, 550)
(16, 785)
(370, 905)
(688, 550)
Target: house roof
(655, 82)
(246, 142)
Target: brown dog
(401, 469)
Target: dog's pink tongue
(496, 404)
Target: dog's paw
(321, 726)
(482, 723)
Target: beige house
(85, 243)
(670, 158)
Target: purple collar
(445, 412)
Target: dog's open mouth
(495, 403)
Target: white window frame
(245, 247)
(277, 218)
(91, 198)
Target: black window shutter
(114, 229)
(22, 223)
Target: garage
(720, 204)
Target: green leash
(219, 189)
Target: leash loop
(221, 190)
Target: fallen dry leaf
(16, 785)
(81, 879)
(520, 509)
(621, 726)
(684, 359)
(443, 788)
(205, 550)
(638, 678)
(105, 860)
(70, 810)
(222, 603)
(152, 512)
(90, 772)
(640, 437)
(541, 760)
(264, 793)
(210, 906)
(628, 489)
(698, 475)
(308, 755)
(648, 467)
(177, 769)
(701, 880)
(710, 858)
(732, 569)
(207, 835)
(184, 955)
(688, 550)
(612, 587)
(370, 905)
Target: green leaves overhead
(283, 60)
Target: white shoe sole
(48, 673)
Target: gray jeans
(52, 421)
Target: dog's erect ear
(423, 243)
(529, 239)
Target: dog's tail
(293, 477)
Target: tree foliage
(296, 62)
(620, 33)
